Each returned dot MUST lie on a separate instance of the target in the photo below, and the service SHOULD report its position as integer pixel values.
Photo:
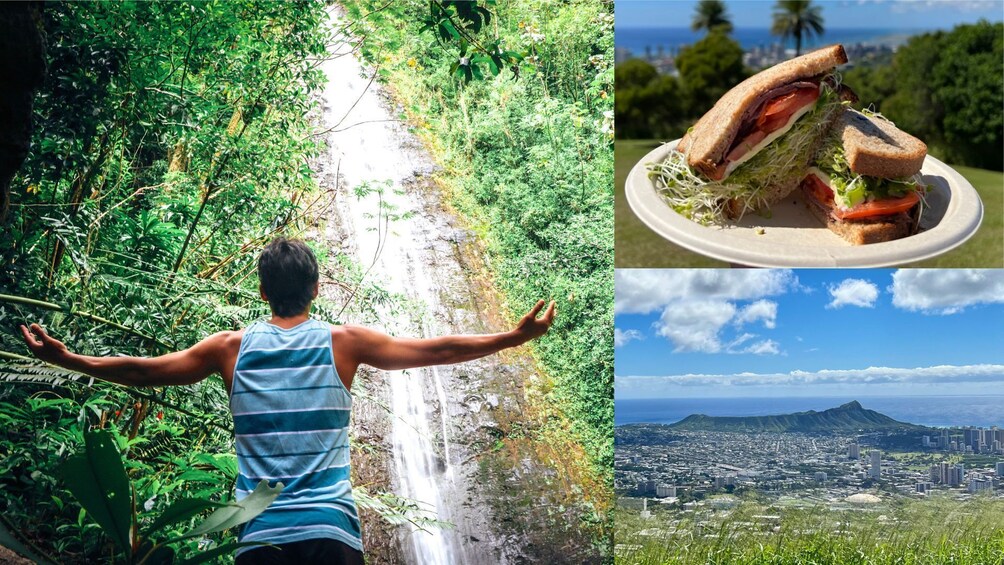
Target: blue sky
(882, 14)
(708, 332)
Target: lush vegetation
(171, 141)
(527, 159)
(945, 88)
(650, 105)
(933, 531)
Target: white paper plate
(793, 237)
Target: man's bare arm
(390, 353)
(179, 368)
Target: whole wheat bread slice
(707, 142)
(869, 230)
(875, 147)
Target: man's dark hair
(287, 270)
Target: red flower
(160, 415)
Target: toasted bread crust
(876, 147)
(706, 143)
(869, 230)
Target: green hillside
(850, 416)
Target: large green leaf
(98, 480)
(222, 550)
(182, 509)
(8, 540)
(236, 513)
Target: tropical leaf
(98, 480)
(236, 513)
(182, 509)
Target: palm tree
(709, 15)
(797, 18)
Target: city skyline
(693, 333)
(860, 14)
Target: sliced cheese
(769, 139)
(822, 176)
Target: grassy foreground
(638, 246)
(909, 532)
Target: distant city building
(926, 441)
(1000, 468)
(820, 477)
(980, 485)
(924, 488)
(853, 451)
(875, 471)
(645, 514)
(719, 482)
(664, 491)
(947, 474)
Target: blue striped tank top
(291, 421)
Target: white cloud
(906, 6)
(853, 292)
(693, 325)
(765, 347)
(939, 374)
(946, 291)
(765, 310)
(622, 338)
(640, 291)
(762, 347)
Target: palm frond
(35, 373)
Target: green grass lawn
(638, 246)
(899, 531)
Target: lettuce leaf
(850, 189)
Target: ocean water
(938, 411)
(670, 38)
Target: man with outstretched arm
(289, 379)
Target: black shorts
(319, 550)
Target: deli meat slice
(770, 112)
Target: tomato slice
(744, 146)
(777, 112)
(818, 190)
(882, 207)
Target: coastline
(925, 410)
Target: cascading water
(373, 151)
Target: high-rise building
(853, 452)
(926, 441)
(820, 477)
(1000, 468)
(875, 471)
(980, 484)
(663, 491)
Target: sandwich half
(865, 185)
(752, 148)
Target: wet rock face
(22, 71)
